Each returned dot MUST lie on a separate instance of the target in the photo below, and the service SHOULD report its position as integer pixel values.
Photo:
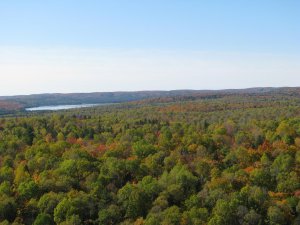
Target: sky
(67, 46)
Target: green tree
(43, 219)
(142, 149)
(179, 182)
(133, 200)
(171, 216)
(78, 204)
(8, 208)
(224, 213)
(48, 202)
(110, 215)
(282, 164)
(276, 216)
(28, 189)
(195, 216)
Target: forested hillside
(13, 104)
(7, 107)
(90, 98)
(218, 160)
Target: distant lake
(61, 107)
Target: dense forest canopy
(222, 159)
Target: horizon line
(158, 90)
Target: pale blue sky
(83, 46)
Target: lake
(61, 107)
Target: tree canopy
(221, 160)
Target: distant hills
(9, 104)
